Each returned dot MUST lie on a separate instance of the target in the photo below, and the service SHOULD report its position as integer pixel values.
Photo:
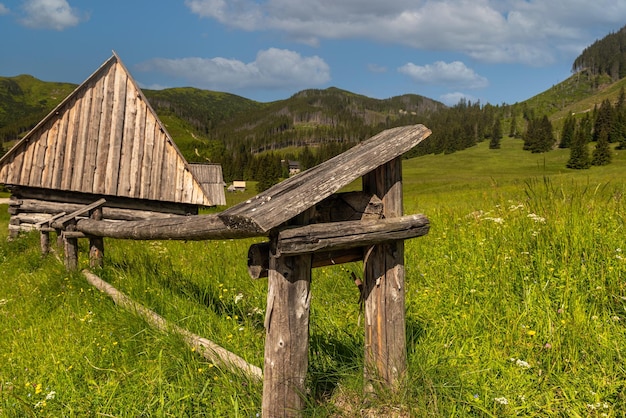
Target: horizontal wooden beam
(194, 227)
(349, 234)
(259, 257)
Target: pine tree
(569, 129)
(579, 154)
(496, 134)
(602, 151)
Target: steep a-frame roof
(104, 139)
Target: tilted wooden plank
(298, 193)
(59, 158)
(63, 221)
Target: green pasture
(515, 307)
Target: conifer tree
(579, 154)
(569, 129)
(496, 134)
(602, 151)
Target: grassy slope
(523, 262)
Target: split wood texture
(104, 139)
(210, 350)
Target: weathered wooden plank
(104, 132)
(82, 138)
(129, 139)
(70, 143)
(298, 193)
(136, 161)
(93, 136)
(145, 191)
(59, 155)
(50, 153)
(349, 234)
(384, 290)
(350, 206)
(200, 227)
(117, 133)
(158, 157)
(41, 146)
(29, 151)
(287, 336)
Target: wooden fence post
(96, 244)
(71, 249)
(287, 335)
(44, 242)
(385, 332)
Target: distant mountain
(24, 101)
(606, 56)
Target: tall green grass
(515, 307)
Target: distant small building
(237, 186)
(294, 167)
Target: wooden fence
(309, 223)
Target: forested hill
(606, 56)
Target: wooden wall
(104, 139)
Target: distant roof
(212, 181)
(104, 139)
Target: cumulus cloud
(50, 14)
(453, 74)
(272, 69)
(4, 10)
(526, 31)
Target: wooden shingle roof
(212, 181)
(104, 139)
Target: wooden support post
(96, 244)
(385, 333)
(44, 241)
(71, 250)
(287, 335)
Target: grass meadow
(515, 307)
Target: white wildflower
(520, 363)
(502, 400)
(51, 395)
(238, 297)
(496, 220)
(537, 218)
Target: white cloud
(4, 10)
(49, 14)
(375, 68)
(454, 74)
(272, 69)
(526, 31)
(452, 99)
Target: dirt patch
(4, 201)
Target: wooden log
(44, 242)
(342, 235)
(111, 213)
(195, 227)
(113, 201)
(96, 244)
(208, 349)
(71, 250)
(70, 218)
(383, 292)
(74, 234)
(32, 218)
(287, 336)
(259, 254)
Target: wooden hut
(103, 141)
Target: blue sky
(495, 51)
